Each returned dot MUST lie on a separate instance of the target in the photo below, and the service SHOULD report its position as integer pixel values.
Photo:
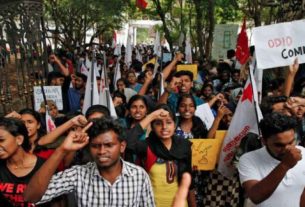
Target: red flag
(242, 48)
(141, 4)
(244, 120)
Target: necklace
(21, 166)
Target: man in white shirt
(275, 174)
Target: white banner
(52, 93)
(279, 44)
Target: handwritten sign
(205, 153)
(189, 67)
(52, 93)
(279, 44)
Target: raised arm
(218, 97)
(40, 181)
(13, 114)
(138, 130)
(64, 70)
(147, 81)
(293, 69)
(78, 121)
(168, 69)
(259, 191)
(222, 110)
(172, 87)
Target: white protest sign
(204, 112)
(279, 44)
(52, 93)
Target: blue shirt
(137, 87)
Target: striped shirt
(132, 188)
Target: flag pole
(253, 68)
(161, 63)
(92, 73)
(45, 103)
(106, 80)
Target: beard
(277, 157)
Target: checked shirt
(132, 188)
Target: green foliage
(226, 11)
(72, 18)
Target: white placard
(204, 112)
(279, 44)
(52, 93)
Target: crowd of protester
(139, 158)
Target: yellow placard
(153, 61)
(220, 134)
(205, 152)
(189, 67)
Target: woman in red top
(17, 164)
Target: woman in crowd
(38, 138)
(132, 81)
(190, 126)
(138, 109)
(119, 102)
(38, 141)
(164, 156)
(207, 92)
(17, 164)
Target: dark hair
(269, 101)
(230, 53)
(120, 95)
(52, 75)
(166, 108)
(150, 65)
(205, 85)
(16, 127)
(235, 71)
(37, 116)
(122, 80)
(223, 66)
(129, 72)
(97, 108)
(274, 123)
(185, 96)
(136, 98)
(185, 72)
(82, 76)
(103, 125)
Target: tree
(69, 20)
